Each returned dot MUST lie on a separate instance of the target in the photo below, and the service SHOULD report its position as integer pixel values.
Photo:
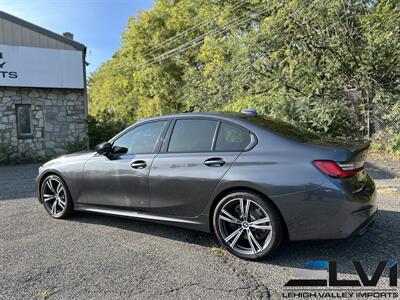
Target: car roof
(236, 118)
(255, 123)
(222, 115)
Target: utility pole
(368, 117)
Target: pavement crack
(255, 289)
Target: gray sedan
(251, 180)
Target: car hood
(77, 156)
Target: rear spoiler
(360, 151)
(361, 147)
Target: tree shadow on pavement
(18, 181)
(378, 172)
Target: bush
(394, 144)
(5, 153)
(103, 127)
(386, 142)
(9, 157)
(78, 145)
(26, 158)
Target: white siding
(17, 35)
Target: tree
(326, 65)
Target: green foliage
(388, 143)
(102, 128)
(26, 158)
(8, 156)
(77, 145)
(394, 144)
(328, 66)
(5, 153)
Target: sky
(96, 23)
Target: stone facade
(58, 119)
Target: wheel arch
(43, 176)
(235, 189)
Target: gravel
(100, 257)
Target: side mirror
(104, 148)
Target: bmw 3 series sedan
(251, 180)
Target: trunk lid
(350, 150)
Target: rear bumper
(364, 226)
(360, 219)
(332, 213)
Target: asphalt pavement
(99, 257)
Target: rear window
(231, 138)
(286, 129)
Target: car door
(120, 179)
(194, 158)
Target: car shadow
(144, 227)
(378, 172)
(381, 242)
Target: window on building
(24, 120)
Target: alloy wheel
(245, 226)
(54, 196)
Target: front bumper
(37, 183)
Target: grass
(218, 251)
(388, 192)
(45, 294)
(384, 155)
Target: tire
(251, 237)
(56, 197)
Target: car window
(192, 136)
(141, 139)
(232, 138)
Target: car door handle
(139, 164)
(215, 162)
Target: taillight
(339, 170)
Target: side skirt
(200, 223)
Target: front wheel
(56, 197)
(247, 225)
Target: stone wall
(58, 120)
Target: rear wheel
(56, 197)
(247, 225)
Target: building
(43, 100)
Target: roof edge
(51, 34)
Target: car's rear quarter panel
(311, 204)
